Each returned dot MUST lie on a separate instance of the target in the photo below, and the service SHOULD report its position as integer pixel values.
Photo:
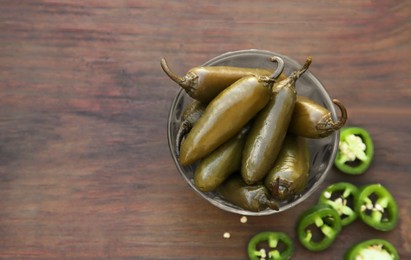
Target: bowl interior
(322, 151)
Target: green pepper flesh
(372, 249)
(380, 214)
(355, 151)
(328, 222)
(272, 239)
(338, 195)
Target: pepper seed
(243, 219)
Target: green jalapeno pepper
(249, 197)
(379, 249)
(289, 176)
(190, 116)
(206, 82)
(226, 114)
(355, 151)
(377, 208)
(342, 196)
(221, 163)
(270, 240)
(318, 227)
(312, 120)
(270, 128)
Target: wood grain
(85, 170)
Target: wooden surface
(85, 170)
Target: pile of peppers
(246, 132)
(339, 205)
(319, 226)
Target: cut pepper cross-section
(372, 249)
(377, 207)
(278, 244)
(355, 151)
(325, 220)
(342, 197)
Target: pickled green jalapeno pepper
(318, 227)
(221, 163)
(355, 151)
(189, 117)
(270, 241)
(289, 176)
(269, 129)
(377, 208)
(379, 249)
(312, 120)
(227, 113)
(248, 197)
(342, 196)
(206, 82)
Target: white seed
(327, 194)
(379, 207)
(263, 253)
(226, 235)
(339, 201)
(243, 219)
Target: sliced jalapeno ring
(342, 197)
(279, 245)
(355, 151)
(372, 249)
(318, 227)
(377, 208)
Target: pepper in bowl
(256, 107)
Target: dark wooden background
(85, 170)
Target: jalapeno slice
(318, 227)
(355, 151)
(342, 196)
(377, 208)
(279, 245)
(372, 249)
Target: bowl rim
(301, 198)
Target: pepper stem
(304, 68)
(181, 133)
(273, 204)
(179, 80)
(343, 118)
(296, 74)
(279, 69)
(328, 125)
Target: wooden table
(85, 169)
